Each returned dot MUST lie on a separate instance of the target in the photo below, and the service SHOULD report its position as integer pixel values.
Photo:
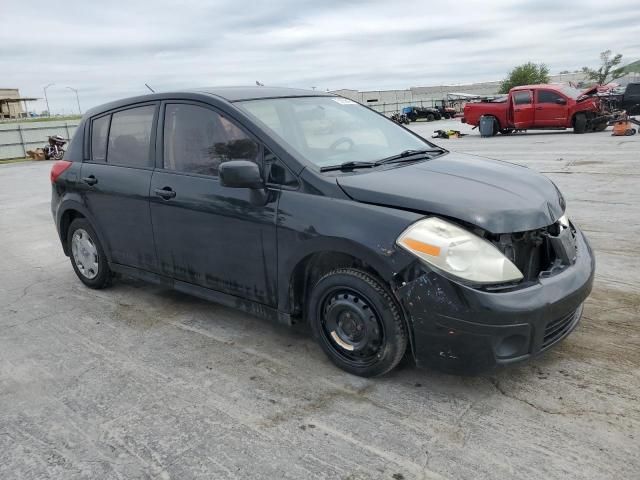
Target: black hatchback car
(299, 205)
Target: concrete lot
(140, 382)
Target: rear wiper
(348, 166)
(408, 154)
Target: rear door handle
(90, 180)
(517, 110)
(165, 192)
(538, 108)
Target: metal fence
(17, 138)
(389, 109)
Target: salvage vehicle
(628, 100)
(545, 107)
(385, 243)
(416, 113)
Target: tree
(606, 70)
(526, 74)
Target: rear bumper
(459, 328)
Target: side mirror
(240, 174)
(561, 101)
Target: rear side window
(522, 98)
(198, 140)
(130, 137)
(548, 96)
(99, 132)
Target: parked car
(416, 113)
(540, 107)
(382, 241)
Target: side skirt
(248, 306)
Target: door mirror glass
(240, 174)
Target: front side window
(130, 137)
(549, 96)
(331, 130)
(197, 140)
(522, 98)
(99, 132)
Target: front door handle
(538, 108)
(90, 180)
(517, 110)
(165, 192)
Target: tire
(87, 255)
(600, 127)
(357, 323)
(430, 117)
(580, 123)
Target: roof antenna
(147, 85)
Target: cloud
(108, 50)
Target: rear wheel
(87, 255)
(430, 117)
(357, 323)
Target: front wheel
(357, 323)
(580, 123)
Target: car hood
(499, 197)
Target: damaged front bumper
(460, 328)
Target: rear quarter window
(99, 132)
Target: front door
(523, 113)
(206, 234)
(551, 109)
(116, 180)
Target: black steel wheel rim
(351, 327)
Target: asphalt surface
(137, 381)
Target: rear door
(551, 109)
(523, 112)
(115, 182)
(206, 234)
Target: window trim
(152, 135)
(159, 163)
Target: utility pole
(46, 99)
(77, 99)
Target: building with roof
(12, 105)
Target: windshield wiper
(408, 155)
(348, 166)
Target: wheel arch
(305, 273)
(67, 213)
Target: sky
(109, 49)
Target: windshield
(570, 91)
(332, 130)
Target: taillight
(58, 169)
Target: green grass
(15, 160)
(42, 119)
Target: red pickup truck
(541, 107)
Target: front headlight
(458, 252)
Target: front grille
(557, 328)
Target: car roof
(551, 86)
(234, 94)
(230, 94)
